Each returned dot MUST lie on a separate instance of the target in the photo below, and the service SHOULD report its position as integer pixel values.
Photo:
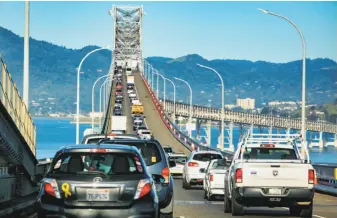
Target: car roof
(206, 152)
(119, 147)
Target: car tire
(227, 203)
(307, 211)
(209, 196)
(205, 194)
(41, 215)
(237, 209)
(167, 212)
(294, 210)
(185, 184)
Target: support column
(321, 140)
(335, 141)
(219, 136)
(197, 128)
(288, 131)
(231, 145)
(209, 133)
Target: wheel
(295, 210)
(209, 196)
(167, 212)
(227, 203)
(185, 184)
(205, 194)
(237, 209)
(301, 211)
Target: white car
(130, 91)
(196, 161)
(214, 180)
(180, 160)
(128, 71)
(144, 134)
(132, 95)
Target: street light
(191, 111)
(93, 98)
(222, 104)
(158, 74)
(174, 98)
(26, 58)
(303, 72)
(78, 92)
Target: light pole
(100, 97)
(303, 73)
(222, 105)
(78, 93)
(26, 58)
(174, 98)
(93, 98)
(191, 110)
(158, 74)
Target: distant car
(128, 71)
(132, 95)
(130, 86)
(144, 133)
(117, 112)
(84, 179)
(168, 149)
(95, 138)
(196, 161)
(117, 107)
(180, 160)
(120, 86)
(130, 91)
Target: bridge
(20, 171)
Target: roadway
(127, 107)
(153, 119)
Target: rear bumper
(196, 178)
(139, 210)
(216, 191)
(256, 197)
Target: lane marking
(318, 216)
(198, 202)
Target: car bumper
(195, 178)
(134, 212)
(257, 197)
(217, 191)
(176, 171)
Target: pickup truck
(214, 180)
(270, 172)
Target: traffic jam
(130, 174)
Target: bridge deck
(153, 119)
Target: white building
(247, 103)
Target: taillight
(238, 175)
(98, 150)
(193, 164)
(267, 146)
(50, 187)
(143, 188)
(165, 172)
(211, 177)
(312, 177)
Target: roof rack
(252, 138)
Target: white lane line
(197, 202)
(318, 216)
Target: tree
(265, 110)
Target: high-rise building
(247, 103)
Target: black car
(117, 112)
(98, 181)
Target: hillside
(53, 75)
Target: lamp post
(222, 104)
(93, 98)
(78, 93)
(174, 98)
(303, 73)
(191, 110)
(158, 74)
(26, 58)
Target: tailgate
(275, 175)
(218, 178)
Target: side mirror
(172, 163)
(202, 170)
(158, 178)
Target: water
(54, 133)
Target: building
(247, 103)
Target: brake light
(50, 187)
(193, 164)
(238, 175)
(112, 134)
(211, 177)
(267, 146)
(312, 177)
(165, 172)
(143, 188)
(98, 150)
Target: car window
(204, 157)
(149, 151)
(270, 153)
(94, 140)
(178, 159)
(168, 150)
(107, 163)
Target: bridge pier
(219, 136)
(209, 133)
(231, 146)
(197, 127)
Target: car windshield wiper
(92, 172)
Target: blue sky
(215, 30)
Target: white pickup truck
(270, 172)
(214, 180)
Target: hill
(53, 75)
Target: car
(117, 132)
(130, 91)
(196, 161)
(137, 123)
(270, 172)
(83, 179)
(95, 138)
(119, 86)
(128, 71)
(132, 95)
(180, 160)
(130, 86)
(168, 149)
(214, 180)
(156, 162)
(144, 133)
(138, 116)
(118, 106)
(117, 112)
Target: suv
(113, 177)
(193, 173)
(157, 163)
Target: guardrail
(12, 101)
(185, 140)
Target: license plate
(275, 191)
(275, 199)
(98, 195)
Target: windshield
(100, 163)
(206, 157)
(178, 159)
(270, 153)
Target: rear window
(98, 163)
(206, 157)
(168, 150)
(128, 69)
(149, 151)
(178, 159)
(146, 132)
(270, 153)
(93, 140)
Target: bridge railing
(184, 139)
(12, 101)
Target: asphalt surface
(153, 119)
(127, 107)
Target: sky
(214, 30)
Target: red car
(119, 87)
